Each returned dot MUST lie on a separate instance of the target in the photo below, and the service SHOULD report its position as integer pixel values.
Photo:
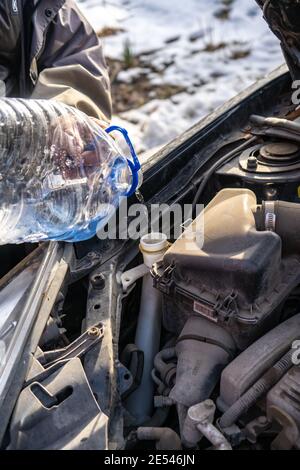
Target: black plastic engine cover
(233, 274)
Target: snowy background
(173, 61)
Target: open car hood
(283, 17)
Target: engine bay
(226, 372)
(188, 342)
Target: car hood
(283, 17)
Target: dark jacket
(49, 50)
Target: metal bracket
(78, 348)
(81, 267)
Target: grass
(109, 31)
(140, 90)
(212, 47)
(128, 55)
(239, 54)
(223, 13)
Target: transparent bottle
(61, 175)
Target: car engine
(227, 375)
(169, 343)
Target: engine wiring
(225, 159)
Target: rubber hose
(287, 223)
(164, 368)
(226, 158)
(260, 388)
(166, 438)
(157, 419)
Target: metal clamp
(270, 216)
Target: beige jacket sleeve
(71, 67)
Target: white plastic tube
(147, 338)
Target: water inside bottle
(60, 174)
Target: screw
(98, 281)
(94, 331)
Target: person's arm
(72, 67)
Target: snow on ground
(214, 49)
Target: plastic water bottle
(61, 175)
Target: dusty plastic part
(201, 413)
(61, 175)
(147, 337)
(214, 436)
(236, 278)
(198, 423)
(128, 278)
(203, 350)
(230, 229)
(166, 438)
(181, 413)
(153, 247)
(44, 417)
(258, 390)
(251, 364)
